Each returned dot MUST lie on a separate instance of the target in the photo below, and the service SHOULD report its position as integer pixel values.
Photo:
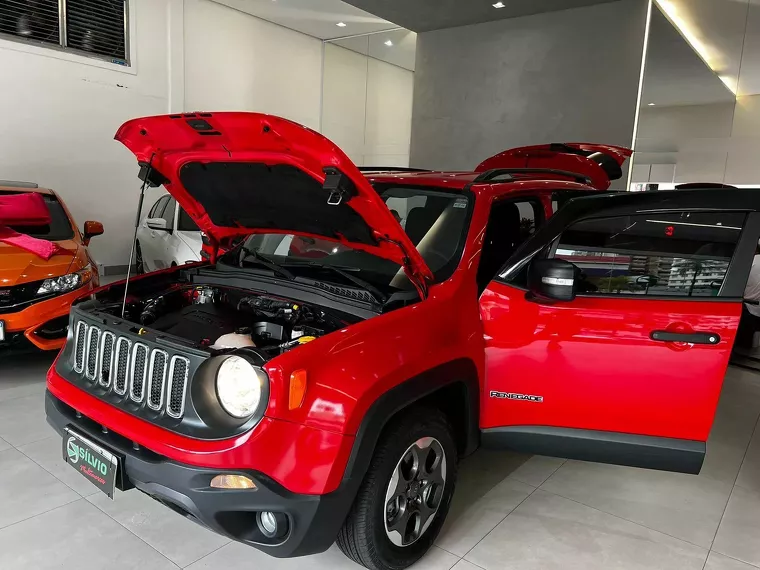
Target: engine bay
(223, 318)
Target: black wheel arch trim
(460, 371)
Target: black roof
(626, 203)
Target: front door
(631, 370)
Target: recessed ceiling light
(389, 43)
(341, 24)
(500, 5)
(651, 104)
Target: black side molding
(665, 454)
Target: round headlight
(239, 387)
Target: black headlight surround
(203, 394)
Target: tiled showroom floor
(509, 512)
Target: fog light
(272, 525)
(232, 482)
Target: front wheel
(405, 496)
(139, 262)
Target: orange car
(35, 294)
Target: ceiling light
(651, 104)
(389, 43)
(341, 24)
(499, 5)
(686, 28)
(730, 82)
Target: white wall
(236, 62)
(367, 107)
(60, 113)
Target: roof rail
(17, 184)
(490, 175)
(391, 169)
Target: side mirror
(551, 280)
(91, 229)
(158, 224)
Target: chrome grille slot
(157, 379)
(148, 376)
(91, 360)
(121, 366)
(178, 374)
(79, 347)
(106, 359)
(139, 372)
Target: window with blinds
(94, 27)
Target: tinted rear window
(59, 228)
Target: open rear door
(601, 163)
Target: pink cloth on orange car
(26, 209)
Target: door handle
(691, 338)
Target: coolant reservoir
(234, 340)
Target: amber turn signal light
(297, 389)
(232, 482)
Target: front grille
(131, 369)
(106, 358)
(81, 336)
(158, 360)
(123, 349)
(139, 372)
(18, 297)
(177, 382)
(91, 360)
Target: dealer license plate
(93, 462)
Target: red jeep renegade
(290, 400)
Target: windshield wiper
(268, 263)
(378, 295)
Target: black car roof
(625, 203)
(628, 203)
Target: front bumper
(29, 321)
(313, 520)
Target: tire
(139, 263)
(365, 537)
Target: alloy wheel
(415, 491)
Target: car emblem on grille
(5, 293)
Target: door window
(510, 223)
(185, 223)
(168, 214)
(158, 208)
(684, 254)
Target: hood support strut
(145, 174)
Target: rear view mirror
(157, 224)
(91, 229)
(551, 280)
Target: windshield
(59, 227)
(435, 221)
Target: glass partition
(368, 84)
(700, 106)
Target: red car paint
(584, 356)
(512, 344)
(167, 144)
(556, 157)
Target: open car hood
(241, 173)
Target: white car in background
(167, 236)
